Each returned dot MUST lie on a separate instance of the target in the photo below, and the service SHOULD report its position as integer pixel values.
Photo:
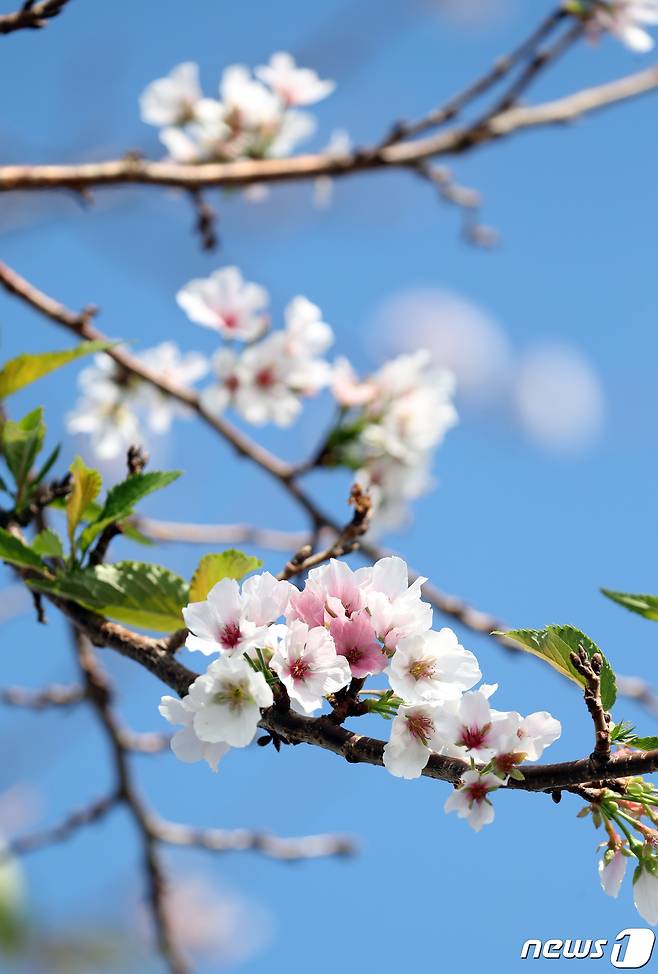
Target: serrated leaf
(555, 645)
(132, 592)
(213, 568)
(14, 551)
(644, 743)
(21, 444)
(122, 498)
(48, 544)
(86, 486)
(644, 605)
(24, 369)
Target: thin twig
(93, 812)
(53, 696)
(590, 670)
(244, 840)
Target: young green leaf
(555, 645)
(644, 605)
(645, 743)
(15, 552)
(86, 486)
(48, 544)
(21, 444)
(135, 593)
(21, 371)
(122, 498)
(213, 568)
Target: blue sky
(523, 533)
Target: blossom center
(230, 635)
(234, 695)
(232, 382)
(477, 792)
(265, 378)
(420, 727)
(421, 669)
(474, 737)
(230, 319)
(298, 669)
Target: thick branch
(131, 170)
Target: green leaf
(14, 551)
(644, 605)
(21, 371)
(213, 568)
(48, 464)
(122, 498)
(555, 645)
(86, 486)
(21, 444)
(134, 534)
(48, 544)
(644, 743)
(132, 592)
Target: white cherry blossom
(472, 729)
(307, 664)
(612, 869)
(185, 743)
(234, 621)
(470, 800)
(413, 738)
(227, 701)
(432, 668)
(645, 891)
(172, 100)
(332, 591)
(247, 102)
(626, 19)
(293, 85)
(396, 608)
(226, 303)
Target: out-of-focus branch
(400, 155)
(244, 840)
(207, 534)
(93, 812)
(453, 106)
(52, 696)
(31, 15)
(639, 690)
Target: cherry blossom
(331, 591)
(185, 743)
(172, 100)
(432, 667)
(227, 700)
(293, 85)
(612, 869)
(624, 19)
(395, 606)
(645, 891)
(413, 738)
(113, 402)
(355, 639)
(532, 734)
(308, 666)
(472, 729)
(231, 620)
(470, 800)
(227, 303)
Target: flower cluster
(629, 837)
(115, 404)
(624, 19)
(273, 370)
(255, 117)
(347, 625)
(390, 424)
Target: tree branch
(53, 696)
(400, 155)
(244, 840)
(31, 15)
